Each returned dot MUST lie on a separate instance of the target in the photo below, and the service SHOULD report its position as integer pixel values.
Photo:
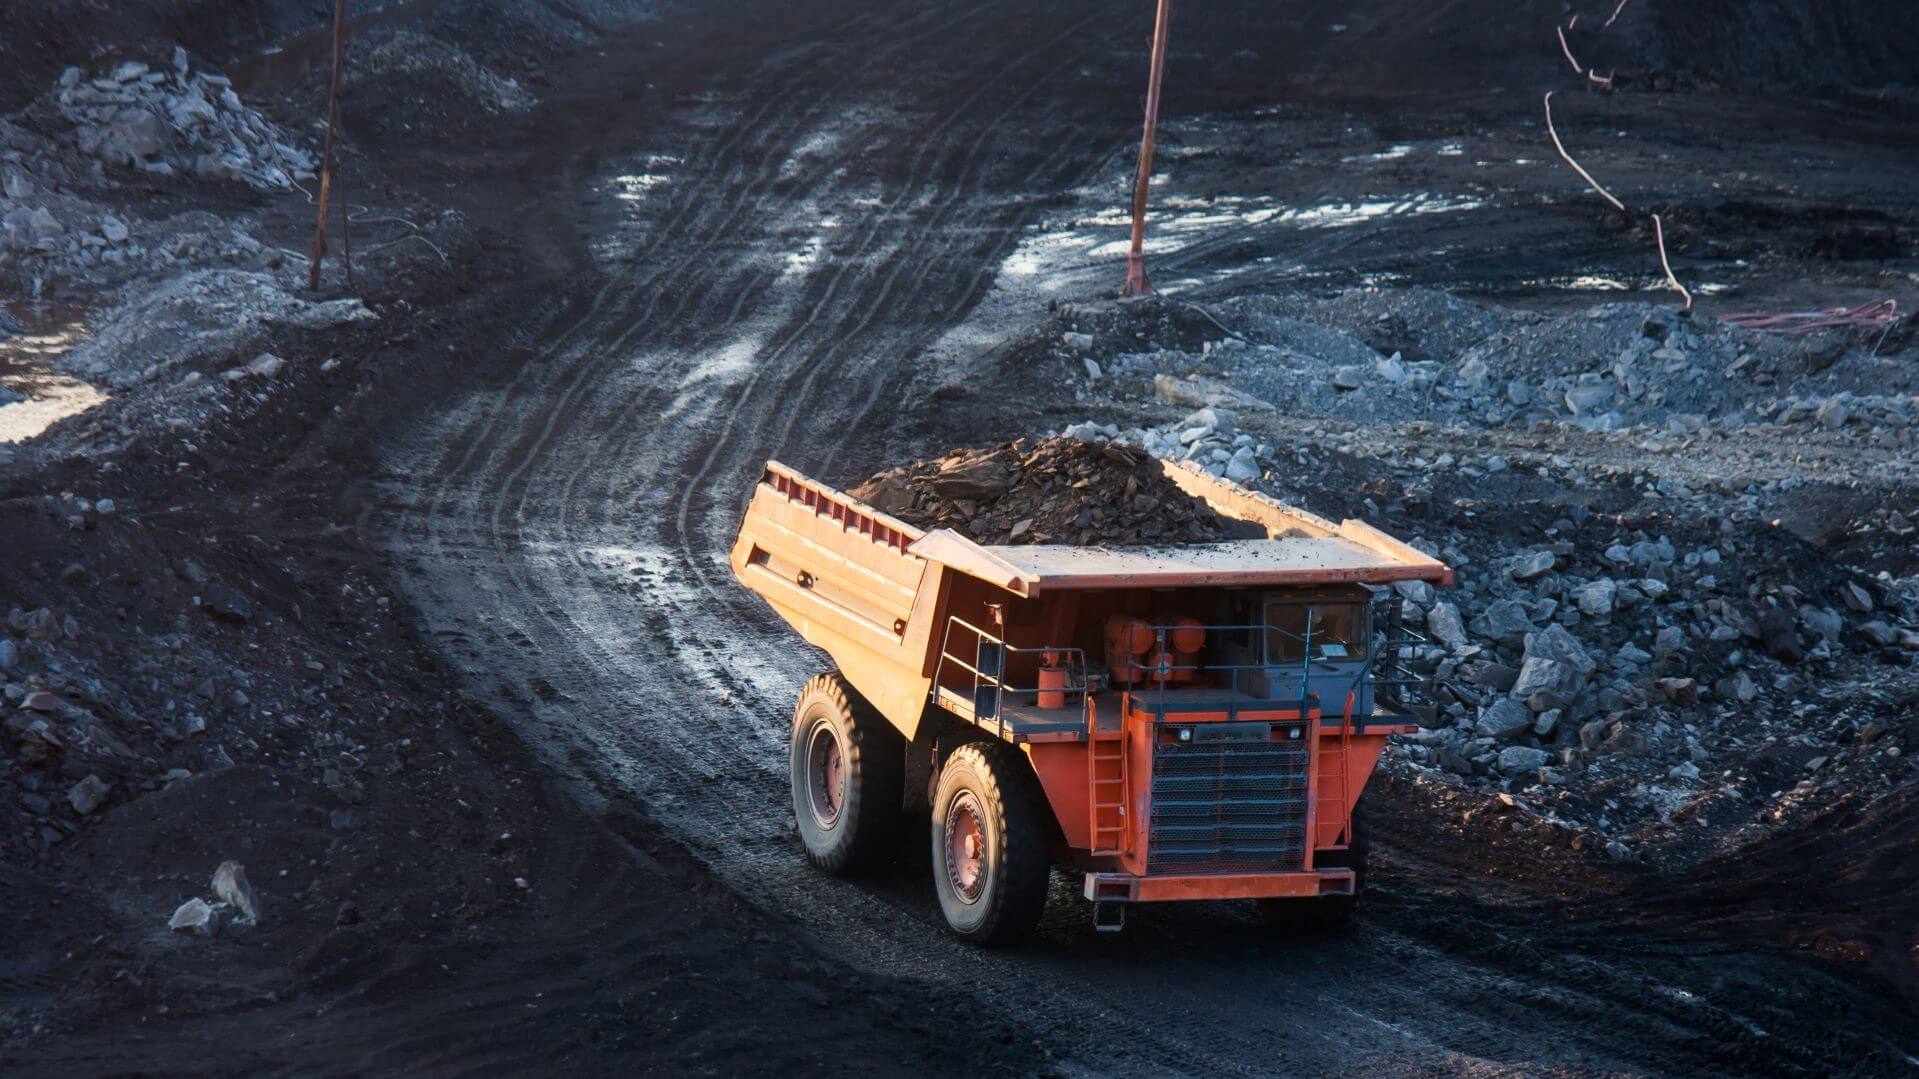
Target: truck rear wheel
(1330, 912)
(990, 863)
(848, 764)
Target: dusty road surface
(746, 245)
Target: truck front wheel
(990, 863)
(848, 764)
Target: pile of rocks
(1208, 437)
(1887, 419)
(1057, 490)
(61, 160)
(1624, 677)
(174, 121)
(409, 53)
(199, 319)
(1417, 357)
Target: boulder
(1555, 664)
(1823, 622)
(1879, 634)
(888, 494)
(1514, 760)
(1596, 598)
(1505, 720)
(87, 795)
(231, 885)
(1737, 686)
(227, 604)
(1505, 621)
(1856, 597)
(1244, 466)
(134, 135)
(1680, 691)
(196, 916)
(1555, 643)
(1443, 621)
(1776, 632)
(1532, 565)
(1588, 398)
(1418, 593)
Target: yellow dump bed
(870, 589)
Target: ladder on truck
(1106, 786)
(1330, 800)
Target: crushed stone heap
(1058, 490)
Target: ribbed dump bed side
(808, 546)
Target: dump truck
(1193, 722)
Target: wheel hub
(965, 848)
(825, 775)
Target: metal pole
(1136, 258)
(326, 159)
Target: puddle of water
(26, 367)
(288, 62)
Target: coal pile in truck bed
(1059, 490)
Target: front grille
(1228, 807)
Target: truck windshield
(1338, 630)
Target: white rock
(195, 916)
(231, 885)
(265, 365)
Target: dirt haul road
(777, 214)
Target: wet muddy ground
(720, 239)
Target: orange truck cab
(1190, 722)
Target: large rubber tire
(988, 791)
(848, 764)
(1331, 912)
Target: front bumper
(1127, 888)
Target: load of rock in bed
(1058, 490)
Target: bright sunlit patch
(633, 186)
(1391, 153)
(1334, 215)
(26, 368)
